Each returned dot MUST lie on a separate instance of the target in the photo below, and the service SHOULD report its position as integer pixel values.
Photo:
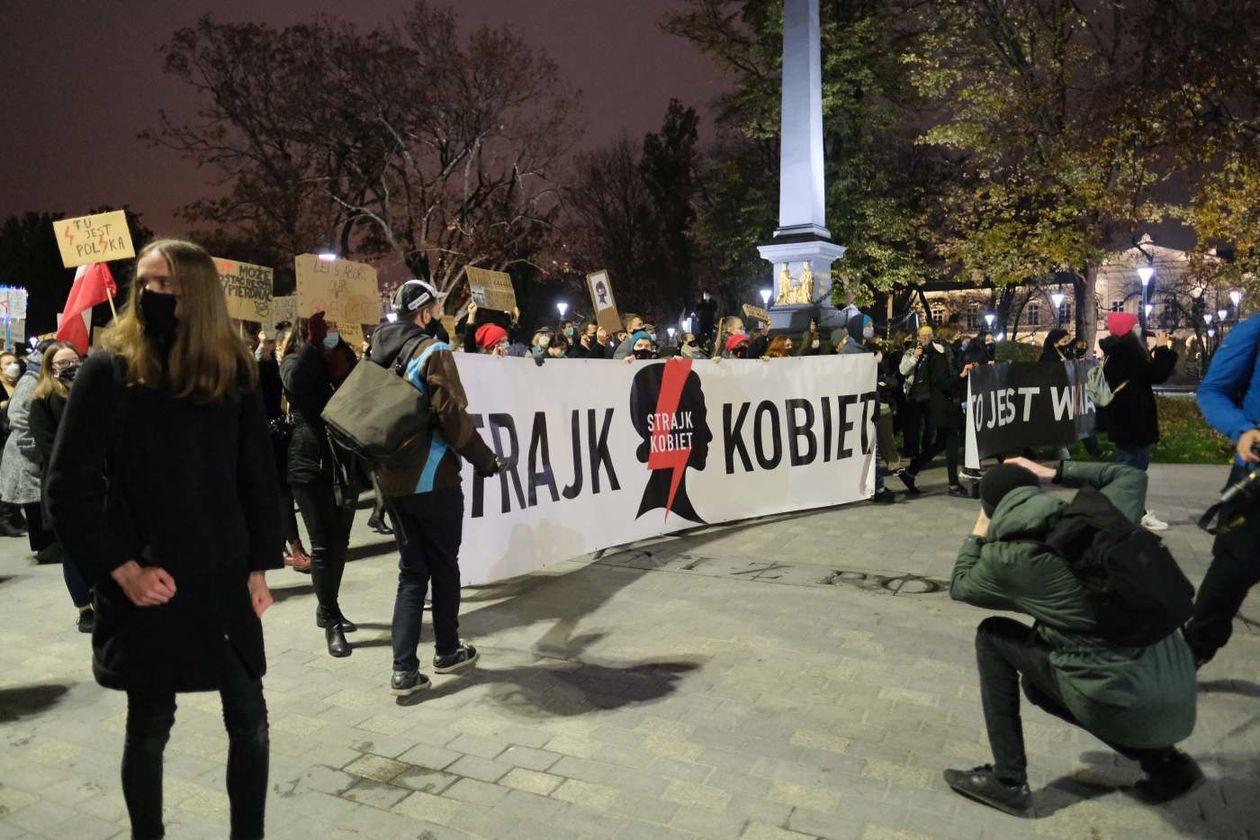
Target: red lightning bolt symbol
(69, 236)
(104, 241)
(675, 376)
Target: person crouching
(1140, 701)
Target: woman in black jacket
(278, 427)
(1056, 347)
(313, 363)
(1131, 421)
(947, 389)
(162, 486)
(48, 403)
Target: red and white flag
(93, 284)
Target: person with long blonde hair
(162, 487)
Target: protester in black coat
(280, 430)
(1132, 418)
(1055, 347)
(162, 486)
(947, 388)
(324, 481)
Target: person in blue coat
(1230, 400)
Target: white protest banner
(92, 239)
(247, 288)
(15, 303)
(600, 287)
(343, 290)
(283, 310)
(607, 453)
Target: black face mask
(645, 354)
(990, 352)
(690, 344)
(67, 374)
(158, 311)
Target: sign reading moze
(247, 288)
(92, 239)
(341, 289)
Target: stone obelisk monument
(801, 250)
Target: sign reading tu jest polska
(94, 239)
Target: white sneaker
(1151, 522)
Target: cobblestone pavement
(802, 676)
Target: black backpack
(1140, 594)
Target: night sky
(81, 79)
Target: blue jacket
(1235, 371)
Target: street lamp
(988, 319)
(1057, 300)
(765, 297)
(686, 324)
(1222, 314)
(1235, 296)
(671, 332)
(328, 256)
(563, 308)
(1145, 273)
(1207, 318)
(1147, 309)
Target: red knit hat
(734, 341)
(489, 335)
(1121, 323)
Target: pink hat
(1121, 323)
(489, 335)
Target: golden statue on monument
(798, 292)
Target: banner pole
(110, 296)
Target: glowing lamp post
(1057, 300)
(562, 308)
(1145, 273)
(765, 297)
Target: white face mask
(12, 371)
(332, 339)
(868, 332)
(814, 344)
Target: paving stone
(434, 809)
(376, 794)
(427, 755)
(530, 759)
(425, 780)
(475, 792)
(479, 768)
(375, 767)
(531, 781)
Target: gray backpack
(1098, 389)
(380, 416)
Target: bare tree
(407, 140)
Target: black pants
(37, 533)
(948, 441)
(328, 525)
(428, 528)
(1008, 653)
(916, 427)
(288, 516)
(1235, 569)
(149, 720)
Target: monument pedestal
(802, 283)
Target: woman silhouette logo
(667, 409)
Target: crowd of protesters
(89, 440)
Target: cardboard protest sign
(247, 288)
(492, 289)
(283, 309)
(605, 305)
(13, 303)
(92, 239)
(351, 334)
(343, 290)
(756, 312)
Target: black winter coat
(137, 474)
(309, 388)
(947, 390)
(44, 419)
(1131, 421)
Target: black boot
(325, 618)
(981, 785)
(336, 639)
(1176, 775)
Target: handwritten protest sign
(351, 334)
(247, 288)
(602, 300)
(756, 312)
(92, 239)
(341, 289)
(492, 289)
(283, 309)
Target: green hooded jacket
(1134, 697)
